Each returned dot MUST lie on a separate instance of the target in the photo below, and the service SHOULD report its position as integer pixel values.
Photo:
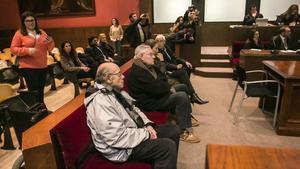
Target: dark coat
(250, 44)
(170, 59)
(95, 53)
(107, 49)
(132, 33)
(249, 19)
(276, 43)
(148, 91)
(287, 19)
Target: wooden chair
(79, 50)
(6, 50)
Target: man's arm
(110, 126)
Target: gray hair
(159, 37)
(102, 72)
(140, 50)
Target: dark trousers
(74, 76)
(35, 80)
(162, 152)
(183, 77)
(179, 103)
(117, 47)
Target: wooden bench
(40, 151)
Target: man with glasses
(284, 41)
(120, 131)
(149, 86)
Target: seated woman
(290, 17)
(253, 41)
(250, 17)
(74, 68)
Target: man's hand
(189, 65)
(179, 66)
(152, 132)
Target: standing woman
(116, 35)
(74, 68)
(30, 44)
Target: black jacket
(95, 53)
(170, 59)
(132, 33)
(286, 20)
(276, 43)
(250, 44)
(148, 91)
(107, 49)
(249, 19)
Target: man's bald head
(110, 73)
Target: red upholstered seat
(237, 46)
(71, 137)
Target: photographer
(134, 33)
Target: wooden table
(288, 74)
(37, 147)
(241, 32)
(252, 60)
(249, 157)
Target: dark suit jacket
(276, 43)
(148, 91)
(252, 45)
(132, 33)
(287, 20)
(170, 59)
(107, 49)
(249, 19)
(95, 54)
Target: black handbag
(8, 75)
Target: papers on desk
(257, 50)
(288, 51)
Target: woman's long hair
(251, 35)
(23, 27)
(287, 14)
(117, 21)
(72, 55)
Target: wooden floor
(216, 123)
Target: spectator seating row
(71, 137)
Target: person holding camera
(134, 33)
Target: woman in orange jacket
(31, 44)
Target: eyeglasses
(119, 74)
(29, 20)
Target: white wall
(271, 8)
(167, 11)
(224, 10)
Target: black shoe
(196, 99)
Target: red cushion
(73, 136)
(237, 46)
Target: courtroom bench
(70, 136)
